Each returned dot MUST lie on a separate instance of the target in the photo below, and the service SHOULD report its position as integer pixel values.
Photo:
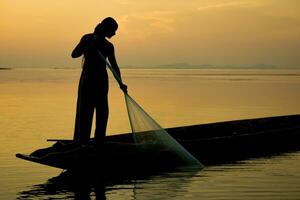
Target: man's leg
(102, 112)
(84, 118)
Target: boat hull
(210, 143)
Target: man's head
(107, 27)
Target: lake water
(37, 104)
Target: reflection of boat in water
(100, 185)
(210, 143)
(68, 186)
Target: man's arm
(113, 62)
(80, 48)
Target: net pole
(118, 78)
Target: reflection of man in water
(93, 85)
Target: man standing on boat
(93, 84)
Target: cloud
(127, 2)
(229, 4)
(153, 22)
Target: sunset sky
(219, 32)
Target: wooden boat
(211, 143)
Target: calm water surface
(37, 104)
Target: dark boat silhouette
(212, 143)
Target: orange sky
(221, 32)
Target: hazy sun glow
(221, 32)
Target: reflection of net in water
(149, 136)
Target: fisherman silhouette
(93, 84)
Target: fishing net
(148, 135)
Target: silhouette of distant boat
(211, 143)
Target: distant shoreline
(214, 67)
(5, 68)
(169, 67)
